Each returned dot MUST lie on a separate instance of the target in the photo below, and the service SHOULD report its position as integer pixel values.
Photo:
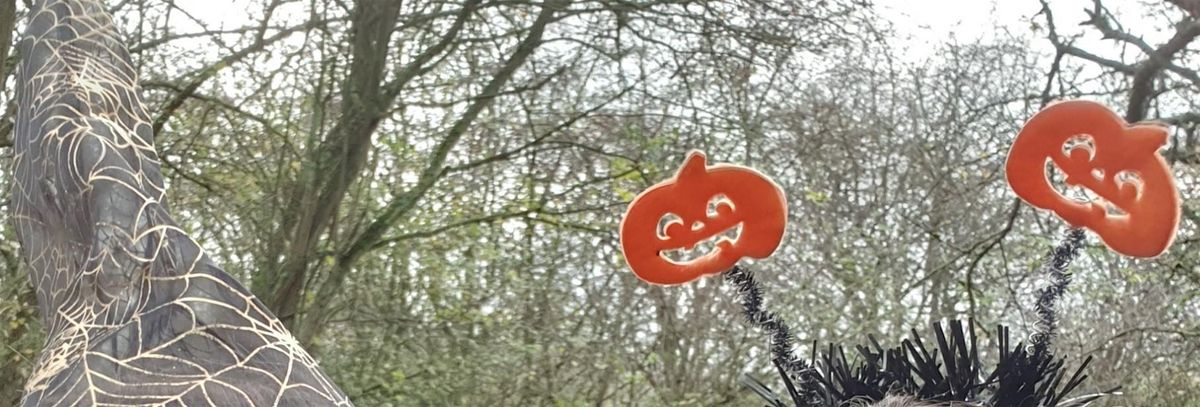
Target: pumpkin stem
(695, 166)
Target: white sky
(920, 22)
(918, 27)
(968, 21)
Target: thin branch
(451, 226)
(203, 75)
(539, 139)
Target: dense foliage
(427, 192)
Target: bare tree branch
(203, 75)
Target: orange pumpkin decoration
(1095, 149)
(744, 197)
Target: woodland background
(428, 192)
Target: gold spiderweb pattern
(136, 313)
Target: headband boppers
(704, 202)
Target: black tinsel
(949, 369)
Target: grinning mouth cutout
(710, 246)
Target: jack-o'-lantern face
(1136, 207)
(702, 203)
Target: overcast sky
(919, 21)
(967, 21)
(918, 25)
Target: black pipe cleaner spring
(790, 367)
(1056, 269)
